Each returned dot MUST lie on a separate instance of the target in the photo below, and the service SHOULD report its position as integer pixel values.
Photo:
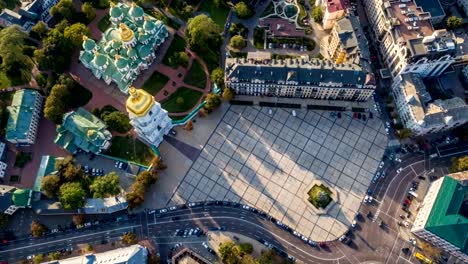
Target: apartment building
(420, 113)
(346, 43)
(442, 219)
(408, 41)
(299, 78)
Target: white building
(442, 219)
(135, 254)
(408, 42)
(24, 114)
(420, 113)
(150, 121)
(299, 78)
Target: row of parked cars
(93, 171)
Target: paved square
(268, 161)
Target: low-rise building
(299, 78)
(346, 43)
(12, 199)
(135, 254)
(442, 219)
(150, 120)
(24, 114)
(334, 10)
(127, 48)
(420, 113)
(82, 130)
(28, 14)
(185, 255)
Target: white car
(387, 131)
(399, 170)
(397, 160)
(205, 245)
(387, 124)
(54, 230)
(354, 224)
(87, 224)
(368, 199)
(246, 207)
(163, 210)
(383, 175)
(381, 164)
(30, 257)
(172, 208)
(297, 234)
(192, 204)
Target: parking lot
(269, 160)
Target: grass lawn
(104, 23)
(196, 76)
(218, 14)
(190, 97)
(315, 194)
(131, 149)
(4, 81)
(155, 83)
(177, 45)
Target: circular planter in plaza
(320, 197)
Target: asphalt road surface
(370, 243)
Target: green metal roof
(89, 44)
(445, 219)
(46, 167)
(81, 129)
(22, 197)
(21, 113)
(115, 12)
(136, 11)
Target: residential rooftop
(408, 20)
(352, 38)
(135, 254)
(21, 114)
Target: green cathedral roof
(115, 12)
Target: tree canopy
(75, 33)
(237, 42)
(459, 164)
(129, 238)
(242, 10)
(89, 11)
(317, 14)
(14, 62)
(50, 185)
(72, 195)
(40, 29)
(203, 34)
(454, 22)
(105, 186)
(228, 94)
(118, 121)
(64, 9)
(213, 101)
(217, 76)
(229, 253)
(147, 177)
(37, 229)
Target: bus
(422, 258)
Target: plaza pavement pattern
(269, 161)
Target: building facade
(151, 122)
(442, 219)
(135, 254)
(127, 48)
(420, 113)
(299, 78)
(408, 41)
(24, 115)
(29, 13)
(333, 10)
(346, 43)
(82, 130)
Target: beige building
(299, 78)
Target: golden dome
(85, 37)
(139, 102)
(126, 34)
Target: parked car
(399, 170)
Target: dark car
(371, 115)
(339, 115)
(359, 116)
(405, 250)
(364, 117)
(175, 218)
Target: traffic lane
(250, 227)
(399, 191)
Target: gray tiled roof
(314, 71)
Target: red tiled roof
(336, 5)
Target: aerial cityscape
(234, 132)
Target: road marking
(66, 239)
(394, 243)
(262, 228)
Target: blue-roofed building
(82, 130)
(135, 254)
(28, 14)
(24, 114)
(434, 8)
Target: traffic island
(320, 198)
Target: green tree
(203, 34)
(266, 257)
(89, 11)
(50, 185)
(38, 258)
(40, 29)
(37, 229)
(454, 22)
(179, 59)
(105, 186)
(129, 238)
(404, 133)
(136, 196)
(55, 108)
(118, 121)
(459, 164)
(147, 177)
(72, 195)
(247, 259)
(228, 94)
(54, 255)
(180, 100)
(75, 33)
(64, 9)
(217, 76)
(3, 221)
(73, 173)
(242, 10)
(245, 248)
(41, 80)
(317, 14)
(229, 253)
(237, 42)
(213, 101)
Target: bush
(459, 164)
(213, 101)
(317, 14)
(72, 195)
(454, 22)
(320, 196)
(41, 79)
(237, 42)
(245, 248)
(180, 100)
(228, 94)
(217, 76)
(242, 10)
(37, 229)
(50, 185)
